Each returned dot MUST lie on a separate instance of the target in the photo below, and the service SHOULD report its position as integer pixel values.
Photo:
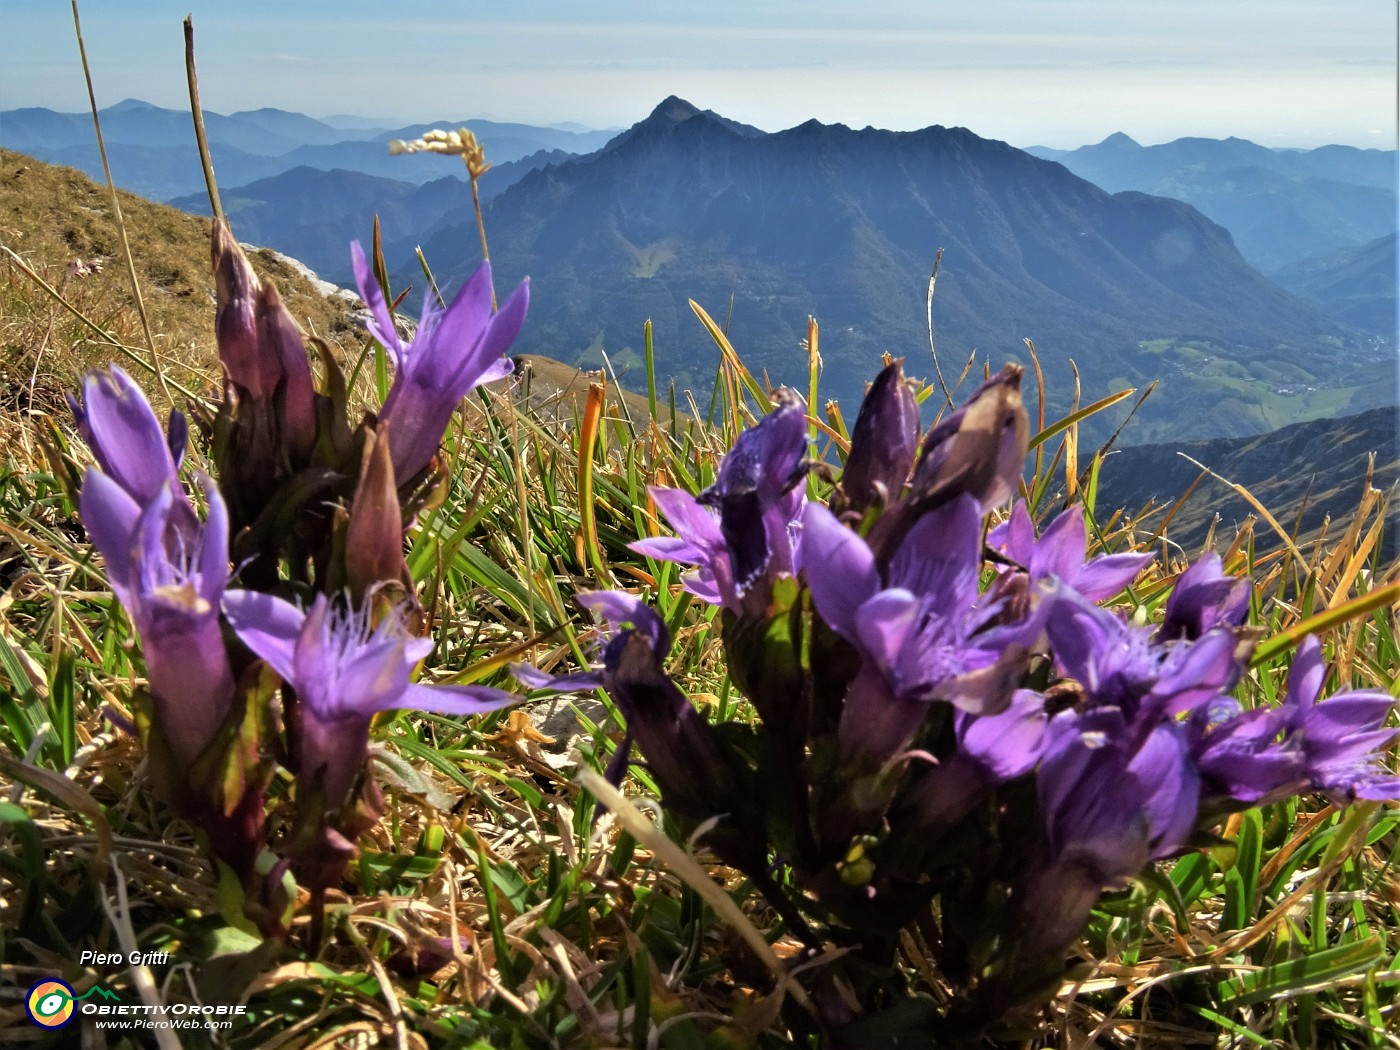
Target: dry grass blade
(116, 203)
(684, 867)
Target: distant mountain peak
(130, 105)
(1118, 140)
(672, 110)
(671, 113)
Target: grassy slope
(567, 935)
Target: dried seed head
(460, 143)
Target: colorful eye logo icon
(50, 1004)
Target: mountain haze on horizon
(840, 223)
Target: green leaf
(1289, 978)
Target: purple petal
(1208, 669)
(457, 338)
(620, 607)
(372, 679)
(125, 436)
(534, 678)
(268, 626)
(1377, 788)
(110, 517)
(883, 625)
(1171, 784)
(1080, 634)
(1015, 536)
(669, 548)
(1340, 721)
(1011, 743)
(500, 333)
(687, 516)
(1060, 550)
(941, 554)
(213, 544)
(380, 325)
(704, 584)
(455, 699)
(839, 569)
(1105, 576)
(1305, 679)
(500, 369)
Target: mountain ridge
(845, 224)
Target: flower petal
(109, 514)
(1105, 576)
(268, 625)
(125, 436)
(457, 338)
(839, 569)
(687, 516)
(455, 699)
(380, 325)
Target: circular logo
(50, 1003)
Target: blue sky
(1281, 72)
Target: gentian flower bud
(237, 291)
(883, 442)
(374, 534)
(979, 451)
(279, 337)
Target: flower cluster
(307, 518)
(953, 730)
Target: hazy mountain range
(1281, 206)
(157, 159)
(763, 229)
(844, 224)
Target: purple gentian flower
(345, 670)
(747, 539)
(1237, 752)
(1341, 738)
(1119, 665)
(1110, 805)
(1059, 554)
(919, 628)
(454, 350)
(1204, 598)
(167, 569)
(169, 573)
(1334, 746)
